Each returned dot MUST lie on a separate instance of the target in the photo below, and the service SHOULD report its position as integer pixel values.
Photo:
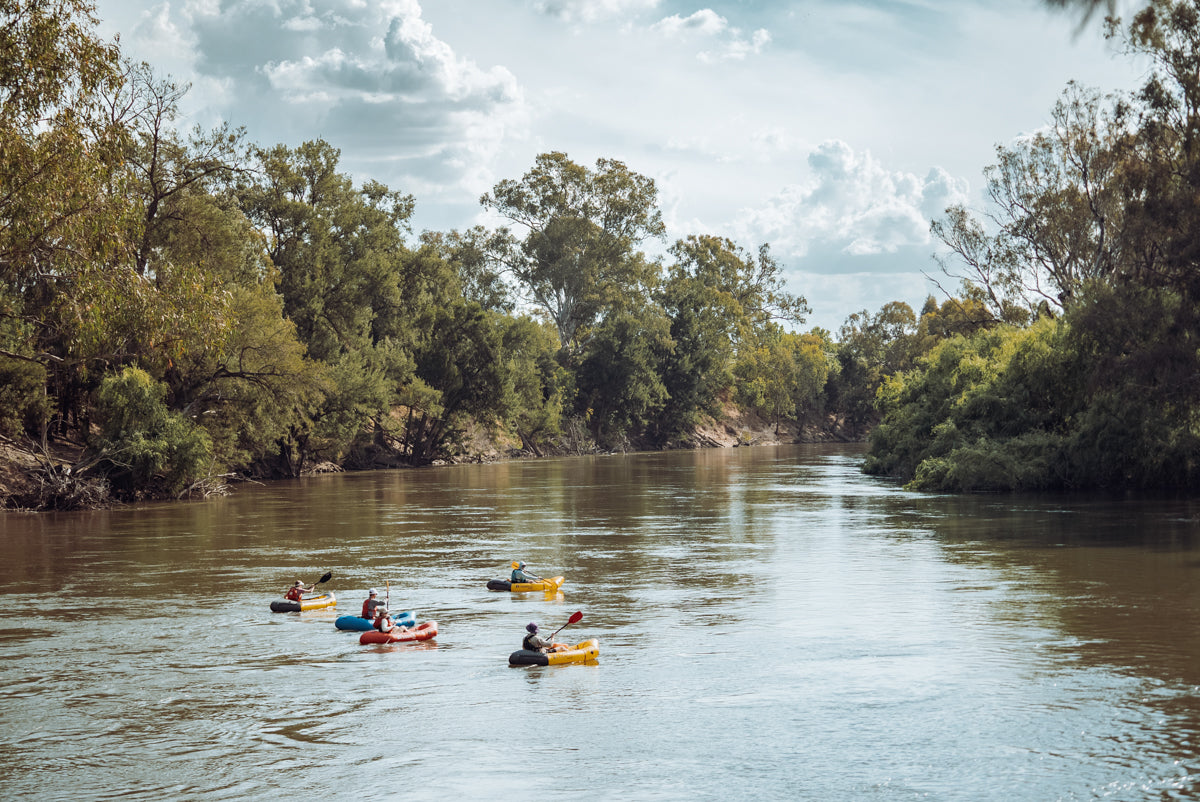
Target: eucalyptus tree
(472, 256)
(577, 259)
(783, 376)
(168, 166)
(619, 377)
(724, 304)
(1057, 213)
(348, 283)
(64, 218)
(338, 248)
(1097, 221)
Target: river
(772, 624)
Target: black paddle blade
(326, 578)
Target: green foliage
(535, 381)
(24, 405)
(1095, 400)
(1094, 219)
(722, 303)
(461, 358)
(1059, 212)
(996, 385)
(782, 375)
(871, 348)
(339, 250)
(141, 442)
(619, 377)
(577, 259)
(472, 256)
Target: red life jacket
(295, 594)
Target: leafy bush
(142, 443)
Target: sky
(832, 130)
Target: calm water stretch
(772, 624)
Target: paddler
(519, 575)
(371, 603)
(296, 592)
(384, 622)
(534, 642)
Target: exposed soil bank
(32, 480)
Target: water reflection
(769, 620)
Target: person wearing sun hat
(536, 643)
(296, 592)
(519, 575)
(383, 620)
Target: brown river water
(772, 624)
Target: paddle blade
(575, 617)
(326, 578)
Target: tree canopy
(181, 307)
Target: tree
(166, 167)
(783, 375)
(472, 253)
(747, 288)
(1057, 210)
(870, 348)
(338, 249)
(141, 442)
(64, 217)
(535, 387)
(576, 260)
(461, 359)
(619, 376)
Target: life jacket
(379, 625)
(369, 606)
(294, 594)
(525, 644)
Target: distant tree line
(180, 307)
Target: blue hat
(532, 627)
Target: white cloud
(705, 21)
(733, 44)
(738, 47)
(593, 10)
(851, 205)
(369, 76)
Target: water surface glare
(772, 624)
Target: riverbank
(33, 479)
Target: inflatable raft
(579, 653)
(309, 603)
(353, 623)
(423, 631)
(547, 585)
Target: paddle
(575, 618)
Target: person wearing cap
(369, 605)
(296, 592)
(536, 643)
(519, 575)
(383, 621)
